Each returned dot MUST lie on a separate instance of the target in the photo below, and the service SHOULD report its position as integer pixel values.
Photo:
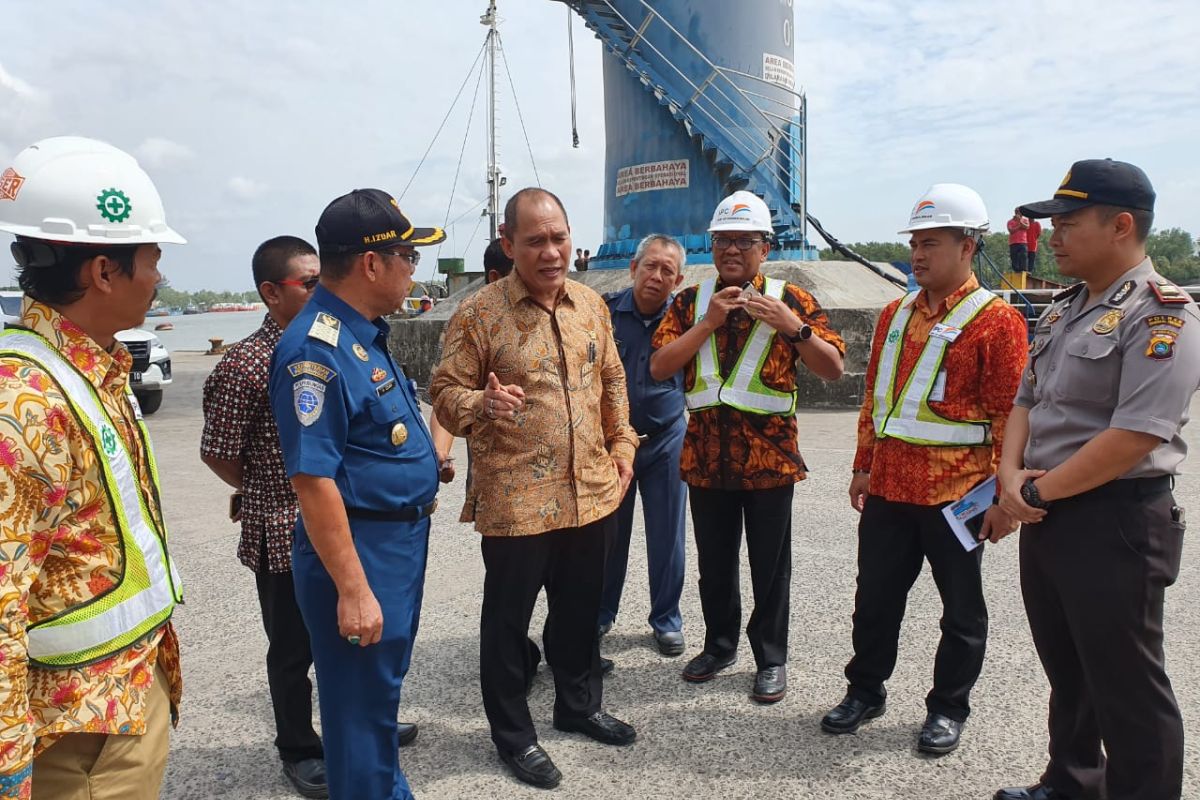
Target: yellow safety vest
(744, 388)
(910, 418)
(145, 596)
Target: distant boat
(164, 326)
(192, 310)
(159, 312)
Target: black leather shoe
(770, 684)
(705, 667)
(602, 727)
(1039, 791)
(533, 766)
(848, 715)
(308, 776)
(606, 665)
(670, 643)
(408, 732)
(939, 734)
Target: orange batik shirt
(59, 547)
(983, 371)
(725, 448)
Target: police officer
(1088, 464)
(656, 412)
(365, 472)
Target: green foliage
(173, 298)
(1175, 252)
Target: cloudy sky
(252, 116)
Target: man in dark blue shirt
(363, 465)
(656, 412)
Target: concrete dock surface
(694, 741)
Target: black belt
(1134, 488)
(403, 514)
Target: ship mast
(493, 171)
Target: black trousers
(569, 563)
(717, 517)
(1094, 574)
(894, 539)
(289, 658)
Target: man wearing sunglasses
(240, 444)
(363, 466)
(741, 341)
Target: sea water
(193, 331)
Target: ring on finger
(353, 639)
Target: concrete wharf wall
(851, 295)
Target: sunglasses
(308, 285)
(413, 258)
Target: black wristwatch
(801, 335)
(1031, 496)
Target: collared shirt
(1129, 361)
(980, 372)
(653, 405)
(1018, 233)
(59, 548)
(1031, 235)
(239, 426)
(552, 466)
(345, 410)
(725, 448)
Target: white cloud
(246, 188)
(16, 86)
(159, 153)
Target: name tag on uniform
(938, 392)
(945, 332)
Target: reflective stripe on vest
(744, 389)
(149, 586)
(910, 418)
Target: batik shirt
(59, 548)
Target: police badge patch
(309, 397)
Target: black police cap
(1097, 181)
(369, 219)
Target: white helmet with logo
(949, 205)
(742, 211)
(81, 191)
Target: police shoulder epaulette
(326, 328)
(1167, 292)
(1069, 292)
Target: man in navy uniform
(656, 412)
(364, 469)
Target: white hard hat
(81, 191)
(742, 211)
(948, 205)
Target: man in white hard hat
(741, 341)
(945, 363)
(89, 660)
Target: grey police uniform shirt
(1130, 361)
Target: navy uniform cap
(1097, 181)
(369, 219)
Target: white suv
(151, 362)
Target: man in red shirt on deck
(946, 361)
(1031, 244)
(1018, 241)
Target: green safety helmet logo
(108, 440)
(893, 337)
(113, 205)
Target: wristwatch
(1031, 496)
(802, 335)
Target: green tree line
(1175, 252)
(174, 298)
